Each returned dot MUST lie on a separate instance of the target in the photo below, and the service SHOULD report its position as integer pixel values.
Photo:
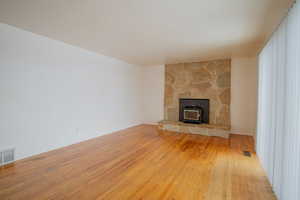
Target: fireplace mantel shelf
(202, 129)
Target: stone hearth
(202, 129)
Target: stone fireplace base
(202, 129)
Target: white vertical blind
(280, 106)
(278, 138)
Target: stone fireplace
(210, 81)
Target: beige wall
(244, 95)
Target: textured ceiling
(149, 32)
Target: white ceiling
(149, 32)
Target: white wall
(54, 94)
(153, 93)
(244, 95)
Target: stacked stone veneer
(201, 80)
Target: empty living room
(150, 100)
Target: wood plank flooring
(141, 163)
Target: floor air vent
(7, 156)
(247, 153)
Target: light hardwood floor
(141, 163)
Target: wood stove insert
(194, 111)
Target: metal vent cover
(247, 153)
(7, 156)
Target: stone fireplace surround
(199, 80)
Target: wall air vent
(7, 156)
